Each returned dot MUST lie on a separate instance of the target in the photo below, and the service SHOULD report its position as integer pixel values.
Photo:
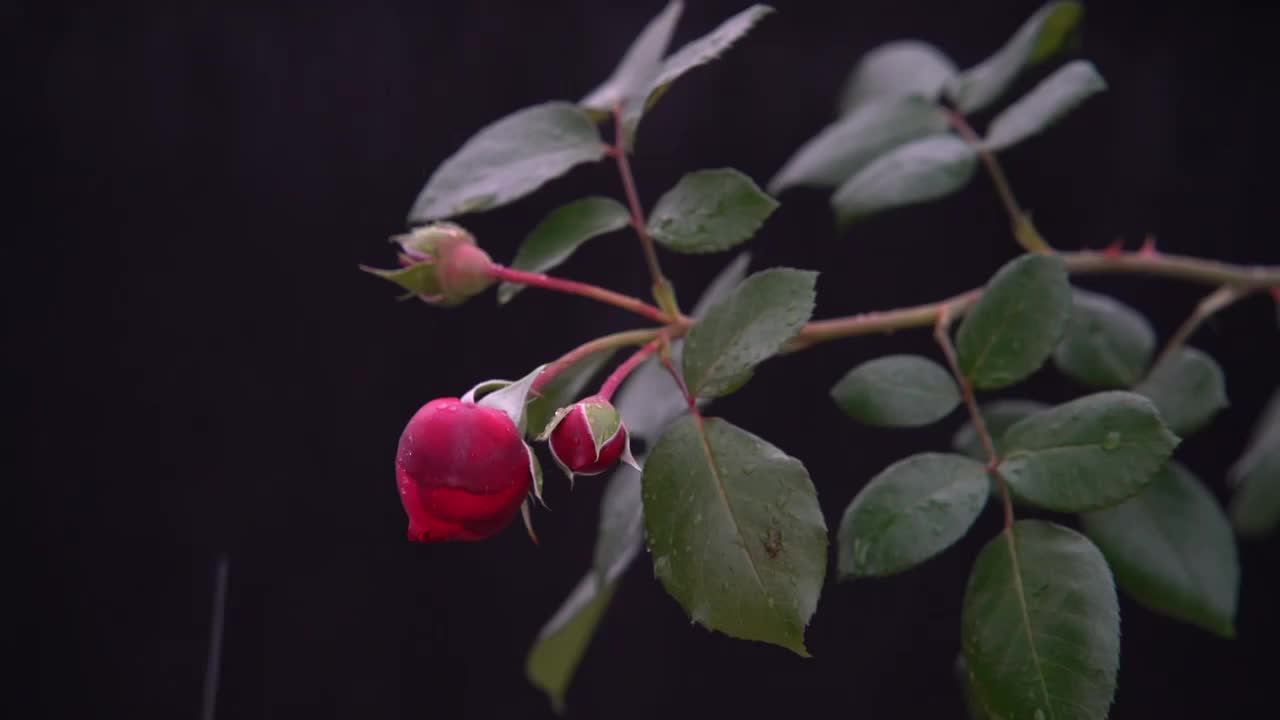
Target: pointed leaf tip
(628, 87)
(1044, 34)
(1048, 102)
(1172, 550)
(705, 49)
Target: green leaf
(897, 391)
(1012, 329)
(913, 510)
(1172, 549)
(1107, 344)
(561, 233)
(621, 523)
(1087, 454)
(905, 68)
(1040, 627)
(705, 49)
(564, 389)
(1188, 389)
(974, 702)
(656, 399)
(509, 159)
(735, 531)
(563, 640)
(999, 416)
(1040, 37)
(913, 173)
(1053, 98)
(709, 211)
(746, 328)
(629, 85)
(850, 143)
(648, 402)
(1255, 509)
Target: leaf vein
(1026, 621)
(717, 475)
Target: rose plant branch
(732, 523)
(1212, 303)
(877, 321)
(662, 289)
(992, 163)
(1023, 231)
(600, 344)
(587, 290)
(1241, 279)
(618, 375)
(941, 334)
(665, 358)
(1181, 267)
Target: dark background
(199, 368)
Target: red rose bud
(441, 264)
(463, 471)
(588, 437)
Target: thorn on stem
(1115, 249)
(1148, 246)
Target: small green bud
(442, 265)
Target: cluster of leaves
(895, 142)
(1147, 520)
(733, 524)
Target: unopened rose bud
(441, 264)
(463, 471)
(588, 437)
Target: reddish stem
(618, 375)
(684, 389)
(940, 334)
(998, 178)
(595, 292)
(619, 153)
(600, 344)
